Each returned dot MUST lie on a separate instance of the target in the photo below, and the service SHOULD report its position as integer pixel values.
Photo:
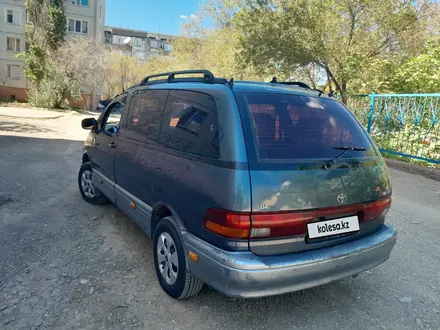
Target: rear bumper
(244, 274)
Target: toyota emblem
(342, 198)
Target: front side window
(190, 124)
(112, 116)
(291, 127)
(145, 115)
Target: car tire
(175, 279)
(90, 194)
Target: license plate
(333, 227)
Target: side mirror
(89, 123)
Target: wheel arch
(85, 158)
(162, 210)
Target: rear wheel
(88, 191)
(171, 263)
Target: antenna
(127, 40)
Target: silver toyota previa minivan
(253, 188)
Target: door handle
(112, 145)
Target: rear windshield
(292, 127)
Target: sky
(164, 16)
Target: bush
(54, 90)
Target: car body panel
(245, 275)
(306, 184)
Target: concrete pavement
(66, 264)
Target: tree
(56, 24)
(88, 68)
(343, 37)
(420, 74)
(45, 32)
(55, 88)
(122, 72)
(218, 49)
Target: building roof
(136, 33)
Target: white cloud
(183, 17)
(193, 16)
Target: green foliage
(34, 58)
(45, 34)
(55, 89)
(420, 74)
(55, 27)
(345, 38)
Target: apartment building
(139, 44)
(85, 18)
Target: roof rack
(300, 84)
(208, 77)
(296, 83)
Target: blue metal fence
(401, 124)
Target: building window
(83, 3)
(13, 71)
(84, 28)
(78, 26)
(13, 16)
(12, 44)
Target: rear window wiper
(346, 151)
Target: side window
(145, 114)
(190, 124)
(112, 116)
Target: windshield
(291, 127)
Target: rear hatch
(316, 177)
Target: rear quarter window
(292, 127)
(190, 124)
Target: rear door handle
(112, 145)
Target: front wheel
(171, 263)
(88, 191)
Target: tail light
(271, 225)
(244, 225)
(228, 224)
(375, 209)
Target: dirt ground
(66, 264)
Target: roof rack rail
(297, 83)
(300, 84)
(208, 77)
